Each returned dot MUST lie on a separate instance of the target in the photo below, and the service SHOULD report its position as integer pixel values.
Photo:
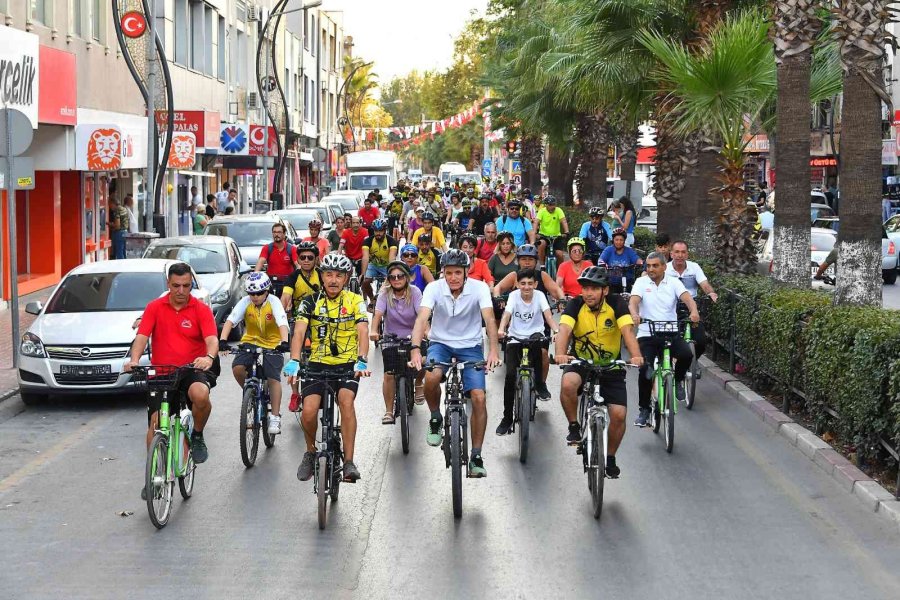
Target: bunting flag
(416, 134)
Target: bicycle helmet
(379, 224)
(399, 264)
(527, 250)
(594, 275)
(256, 283)
(398, 195)
(595, 211)
(454, 258)
(454, 195)
(548, 199)
(576, 241)
(513, 203)
(409, 248)
(308, 247)
(619, 231)
(314, 222)
(470, 191)
(468, 237)
(428, 216)
(337, 262)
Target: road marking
(46, 456)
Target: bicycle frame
(171, 428)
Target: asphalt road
(890, 296)
(735, 512)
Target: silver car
(890, 261)
(250, 232)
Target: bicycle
(695, 371)
(404, 383)
(455, 443)
(593, 415)
(167, 462)
(329, 456)
(525, 400)
(550, 262)
(625, 273)
(666, 408)
(256, 406)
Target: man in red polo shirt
(352, 243)
(184, 332)
(369, 212)
(279, 258)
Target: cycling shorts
(207, 378)
(376, 272)
(272, 364)
(612, 387)
(559, 243)
(315, 385)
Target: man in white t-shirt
(526, 312)
(456, 306)
(222, 198)
(655, 297)
(694, 279)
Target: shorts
(472, 379)
(559, 244)
(272, 364)
(357, 266)
(376, 272)
(207, 378)
(612, 387)
(316, 385)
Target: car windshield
(817, 212)
(300, 219)
(99, 292)
(832, 224)
(347, 203)
(822, 242)
(244, 233)
(368, 182)
(206, 259)
(893, 224)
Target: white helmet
(337, 262)
(256, 283)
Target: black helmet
(527, 250)
(550, 200)
(455, 258)
(399, 264)
(428, 216)
(468, 237)
(308, 247)
(594, 275)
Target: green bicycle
(167, 462)
(665, 408)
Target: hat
(425, 237)
(420, 209)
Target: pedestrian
(210, 206)
(199, 219)
(132, 219)
(886, 208)
(625, 216)
(222, 197)
(196, 198)
(334, 236)
(118, 227)
(232, 202)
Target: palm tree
(860, 31)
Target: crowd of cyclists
(455, 271)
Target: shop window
(76, 14)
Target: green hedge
(843, 358)
(644, 240)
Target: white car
(250, 232)
(350, 200)
(80, 340)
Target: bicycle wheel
(456, 463)
(249, 427)
(186, 481)
(160, 488)
(402, 401)
(524, 416)
(669, 411)
(692, 376)
(336, 477)
(597, 470)
(322, 478)
(656, 413)
(551, 267)
(268, 438)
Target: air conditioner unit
(253, 13)
(252, 100)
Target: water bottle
(187, 428)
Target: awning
(196, 173)
(646, 156)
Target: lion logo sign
(104, 150)
(181, 155)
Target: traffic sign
(21, 174)
(486, 167)
(133, 24)
(20, 131)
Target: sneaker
(294, 405)
(505, 426)
(542, 392)
(434, 435)
(643, 419)
(574, 437)
(274, 424)
(612, 471)
(351, 473)
(198, 448)
(679, 391)
(305, 471)
(476, 467)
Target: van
(448, 169)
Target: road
(890, 296)
(734, 512)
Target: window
(312, 40)
(241, 58)
(196, 35)
(306, 31)
(39, 11)
(333, 52)
(307, 116)
(182, 31)
(100, 292)
(240, 11)
(96, 8)
(76, 13)
(220, 50)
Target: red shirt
(485, 250)
(322, 243)
(479, 270)
(177, 336)
(353, 242)
(368, 215)
(569, 277)
(280, 264)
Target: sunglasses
(307, 257)
(397, 277)
(409, 255)
(257, 293)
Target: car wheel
(889, 276)
(33, 399)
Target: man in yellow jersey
(266, 327)
(428, 228)
(379, 250)
(305, 281)
(594, 325)
(339, 330)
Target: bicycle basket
(395, 355)
(157, 378)
(664, 329)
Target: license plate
(85, 370)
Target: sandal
(387, 419)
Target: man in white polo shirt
(655, 297)
(691, 275)
(456, 306)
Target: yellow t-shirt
(332, 326)
(437, 237)
(261, 323)
(597, 333)
(429, 261)
(298, 287)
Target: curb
(866, 490)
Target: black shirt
(482, 218)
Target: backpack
(289, 248)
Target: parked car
(820, 210)
(80, 340)
(329, 211)
(350, 200)
(890, 262)
(821, 242)
(250, 232)
(299, 217)
(217, 262)
(647, 214)
(816, 197)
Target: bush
(644, 240)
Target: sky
(402, 35)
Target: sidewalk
(8, 382)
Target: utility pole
(152, 142)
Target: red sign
(827, 161)
(182, 153)
(203, 124)
(212, 119)
(258, 140)
(57, 77)
(646, 156)
(133, 24)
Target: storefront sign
(203, 124)
(59, 93)
(182, 155)
(234, 139)
(258, 141)
(19, 83)
(757, 144)
(98, 148)
(888, 152)
(829, 161)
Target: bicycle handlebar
(478, 365)
(613, 366)
(529, 340)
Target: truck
(371, 169)
(449, 168)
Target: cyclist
(456, 307)
(523, 314)
(503, 262)
(694, 280)
(483, 215)
(568, 273)
(453, 210)
(463, 220)
(369, 211)
(379, 249)
(428, 228)
(395, 214)
(596, 233)
(306, 281)
(655, 297)
(397, 306)
(487, 245)
(352, 241)
(279, 258)
(513, 222)
(419, 276)
(663, 244)
(622, 258)
(478, 268)
(339, 326)
(593, 327)
(334, 236)
(315, 228)
(551, 222)
(266, 326)
(414, 222)
(183, 331)
(428, 256)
